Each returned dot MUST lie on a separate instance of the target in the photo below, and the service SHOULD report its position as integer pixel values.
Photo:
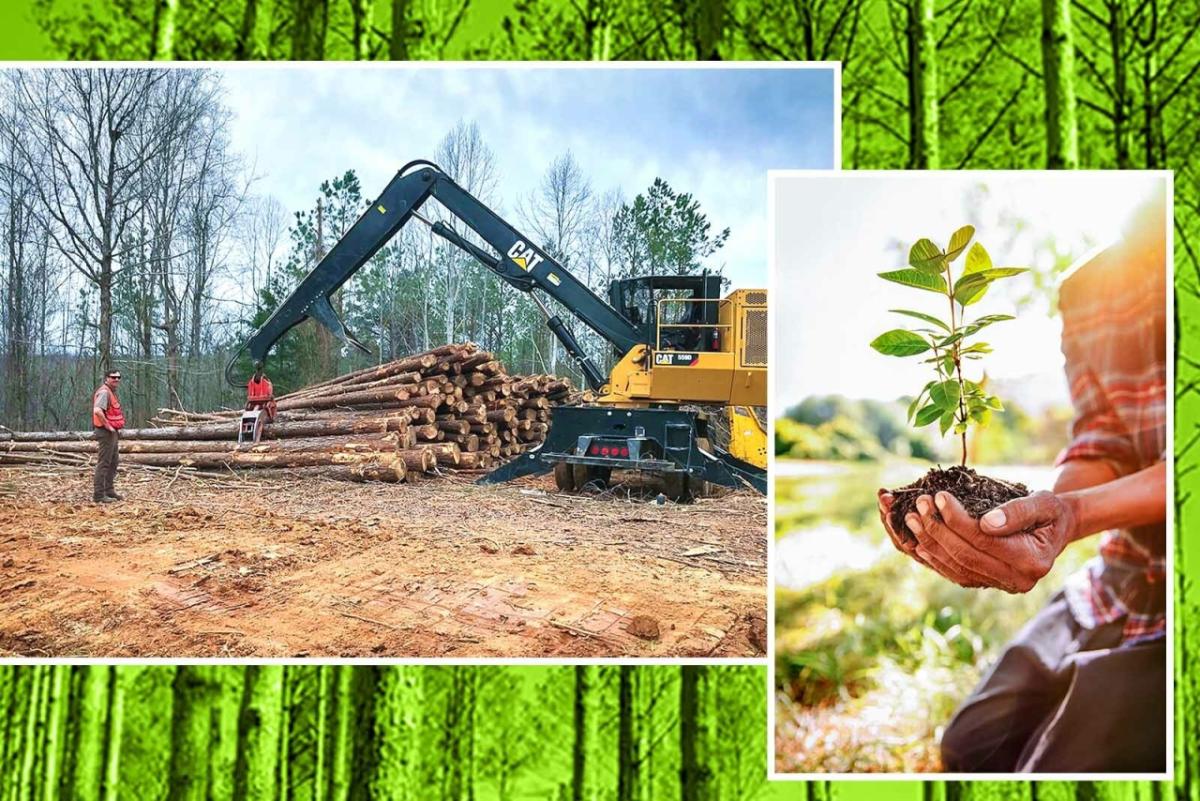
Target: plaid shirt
(1114, 340)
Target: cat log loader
(679, 345)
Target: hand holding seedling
(1014, 546)
(953, 401)
(1011, 547)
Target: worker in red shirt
(107, 422)
(260, 394)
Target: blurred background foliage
(836, 428)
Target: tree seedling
(946, 344)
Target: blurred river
(826, 519)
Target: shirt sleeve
(1096, 431)
(1098, 360)
(101, 402)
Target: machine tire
(677, 487)
(583, 474)
(564, 477)
(597, 477)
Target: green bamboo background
(952, 84)
(339, 733)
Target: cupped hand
(1011, 547)
(906, 545)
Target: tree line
(927, 84)
(323, 733)
(134, 237)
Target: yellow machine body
(732, 374)
(747, 436)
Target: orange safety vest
(259, 391)
(114, 415)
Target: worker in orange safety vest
(260, 394)
(107, 422)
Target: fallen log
(216, 459)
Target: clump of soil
(643, 626)
(978, 494)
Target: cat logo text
(526, 257)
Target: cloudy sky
(710, 132)
(835, 232)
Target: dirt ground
(192, 566)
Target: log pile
(451, 407)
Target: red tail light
(625, 452)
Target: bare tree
(261, 236)
(86, 167)
(175, 184)
(464, 156)
(560, 213)
(213, 207)
(19, 226)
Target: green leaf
(978, 347)
(927, 415)
(981, 416)
(993, 273)
(948, 365)
(946, 342)
(960, 428)
(978, 260)
(899, 342)
(927, 257)
(984, 322)
(945, 394)
(988, 319)
(994, 403)
(912, 407)
(958, 241)
(970, 288)
(918, 279)
(929, 318)
(946, 420)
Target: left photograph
(397, 362)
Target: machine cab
(673, 312)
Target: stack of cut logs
(453, 406)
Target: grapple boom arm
(519, 263)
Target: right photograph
(971, 552)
